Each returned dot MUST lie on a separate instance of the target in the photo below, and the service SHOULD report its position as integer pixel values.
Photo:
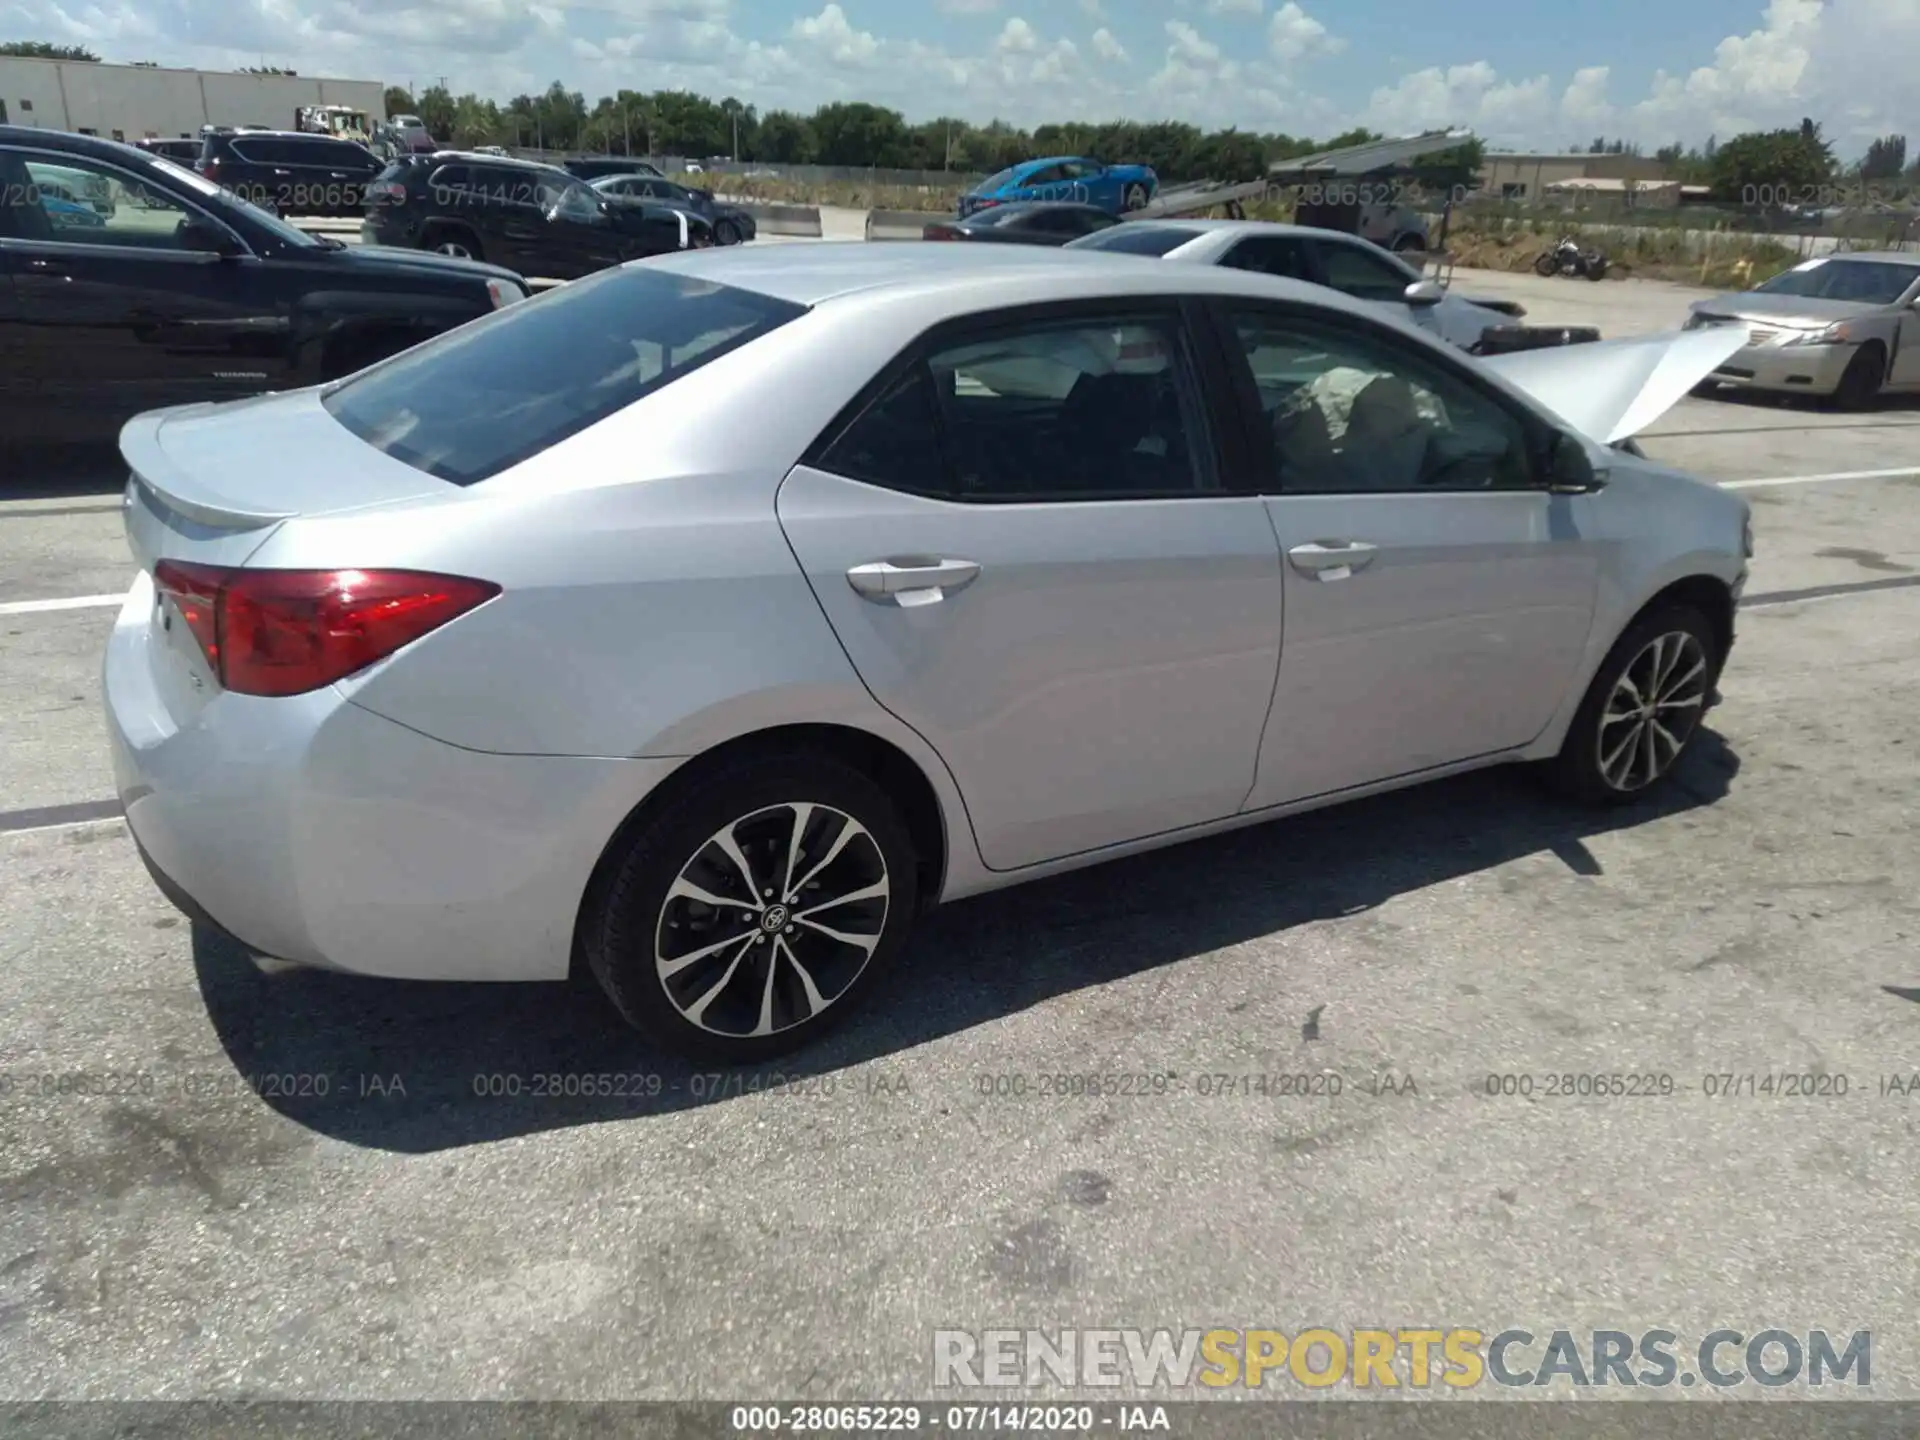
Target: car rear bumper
(312, 830)
(1805, 369)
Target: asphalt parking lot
(384, 1222)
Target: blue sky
(1522, 74)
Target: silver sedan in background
(1347, 263)
(710, 617)
(1843, 327)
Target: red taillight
(938, 232)
(391, 191)
(285, 632)
(209, 168)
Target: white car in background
(1347, 263)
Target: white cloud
(1017, 38)
(1756, 79)
(1584, 105)
(1091, 9)
(1234, 7)
(1108, 48)
(830, 36)
(969, 7)
(1293, 35)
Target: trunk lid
(1610, 390)
(212, 482)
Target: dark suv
(288, 172)
(532, 218)
(183, 292)
(182, 151)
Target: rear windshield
(475, 401)
(994, 182)
(1135, 239)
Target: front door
(117, 313)
(1438, 599)
(1026, 548)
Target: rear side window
(1136, 239)
(481, 399)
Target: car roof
(1879, 257)
(952, 280)
(439, 156)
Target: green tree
(857, 133)
(399, 101)
(1750, 168)
(784, 138)
(1886, 158)
(41, 50)
(436, 109)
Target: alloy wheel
(1654, 708)
(772, 920)
(454, 248)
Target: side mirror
(1423, 293)
(1570, 471)
(207, 238)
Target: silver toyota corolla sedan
(707, 619)
(1347, 263)
(1846, 327)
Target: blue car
(69, 213)
(1116, 189)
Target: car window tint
(994, 182)
(77, 203)
(1270, 255)
(1106, 409)
(447, 177)
(1363, 272)
(1356, 412)
(474, 401)
(1045, 176)
(1135, 238)
(895, 441)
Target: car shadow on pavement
(41, 470)
(418, 1068)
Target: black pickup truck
(174, 290)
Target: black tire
(456, 240)
(632, 921)
(1580, 770)
(725, 232)
(1135, 197)
(1546, 265)
(1860, 385)
(1407, 244)
(1597, 268)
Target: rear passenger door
(1028, 538)
(1366, 272)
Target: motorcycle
(1567, 258)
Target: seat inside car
(1385, 447)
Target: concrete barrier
(901, 224)
(802, 221)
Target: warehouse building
(130, 102)
(1529, 176)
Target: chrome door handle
(916, 581)
(1332, 559)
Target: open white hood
(1611, 389)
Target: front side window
(77, 203)
(1353, 412)
(477, 400)
(1363, 272)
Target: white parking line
(71, 602)
(1818, 479)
